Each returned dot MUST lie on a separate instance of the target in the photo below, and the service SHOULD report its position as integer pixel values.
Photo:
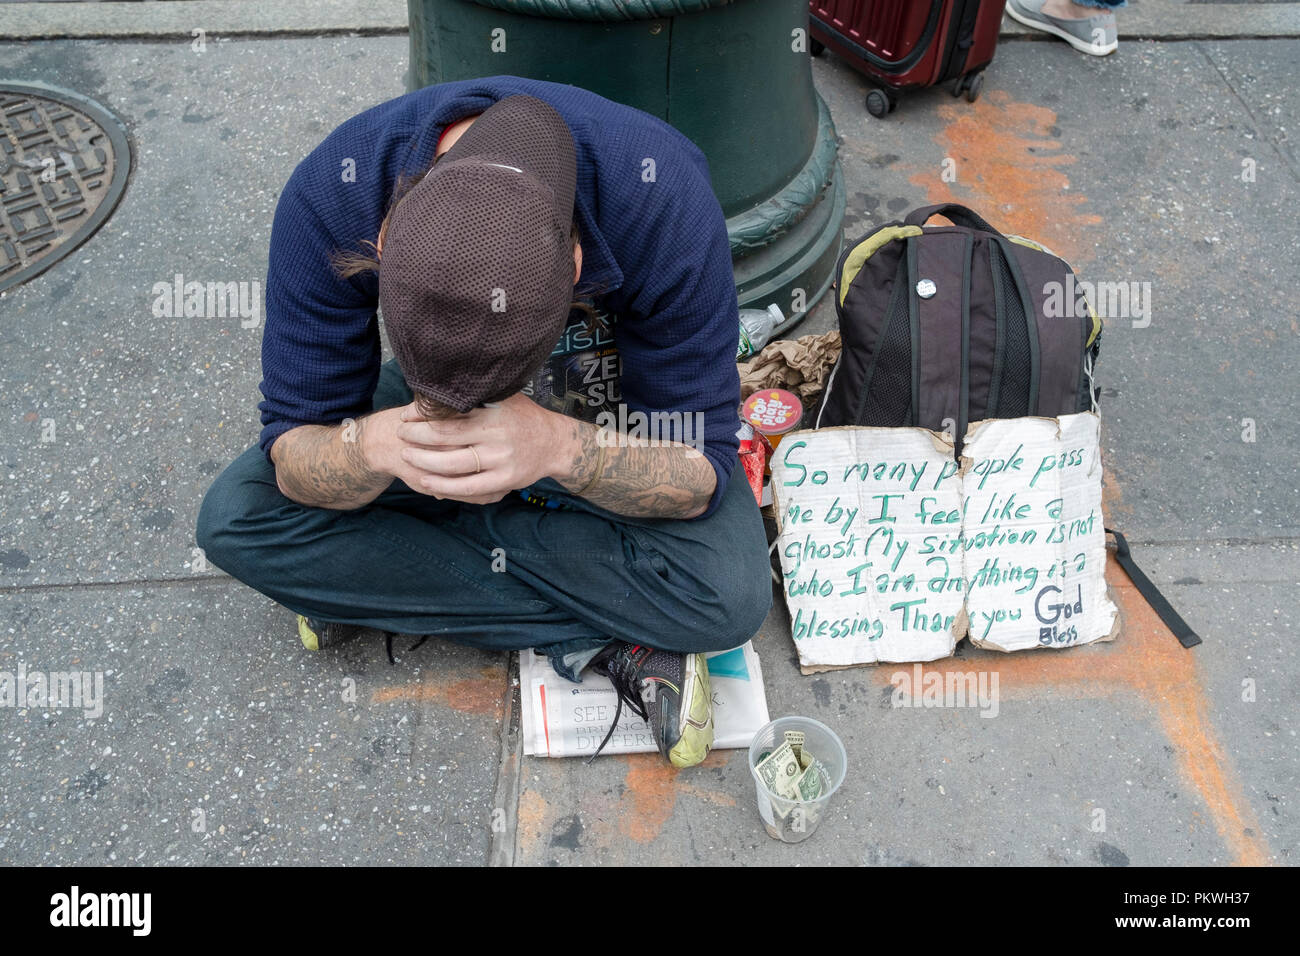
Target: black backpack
(944, 325)
(941, 326)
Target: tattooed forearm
(324, 466)
(665, 480)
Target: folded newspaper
(563, 719)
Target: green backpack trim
(868, 247)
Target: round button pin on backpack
(926, 288)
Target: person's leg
(683, 586)
(704, 585)
(1088, 26)
(504, 576)
(389, 565)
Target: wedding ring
(478, 465)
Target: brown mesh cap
(476, 276)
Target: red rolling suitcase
(909, 43)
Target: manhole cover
(64, 160)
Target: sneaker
(670, 691)
(1097, 35)
(317, 635)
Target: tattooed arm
(486, 453)
(348, 466)
(315, 466)
(341, 466)
(634, 478)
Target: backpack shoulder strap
(1186, 636)
(856, 255)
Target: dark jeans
(566, 582)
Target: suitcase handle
(959, 214)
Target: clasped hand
(483, 455)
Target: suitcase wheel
(816, 47)
(970, 84)
(879, 103)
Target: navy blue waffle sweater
(654, 243)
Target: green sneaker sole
(310, 639)
(325, 635)
(697, 733)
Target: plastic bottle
(756, 327)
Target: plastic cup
(792, 821)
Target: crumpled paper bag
(801, 365)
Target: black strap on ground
(1186, 636)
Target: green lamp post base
(733, 75)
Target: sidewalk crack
(505, 803)
(1260, 128)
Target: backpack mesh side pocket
(887, 393)
(1017, 358)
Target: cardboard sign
(891, 551)
(853, 505)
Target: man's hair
(433, 409)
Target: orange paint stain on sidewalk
(532, 819)
(1148, 660)
(1011, 169)
(1112, 498)
(613, 820)
(473, 695)
(652, 787)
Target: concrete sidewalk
(222, 741)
